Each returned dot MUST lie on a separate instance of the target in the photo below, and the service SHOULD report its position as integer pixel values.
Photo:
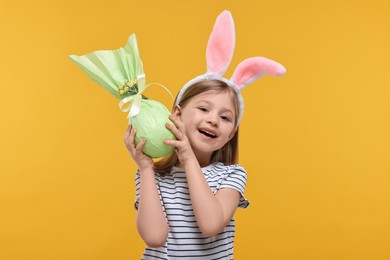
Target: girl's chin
(201, 152)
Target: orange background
(315, 143)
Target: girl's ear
(176, 111)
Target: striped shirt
(185, 240)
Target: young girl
(186, 201)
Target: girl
(186, 201)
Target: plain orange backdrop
(315, 142)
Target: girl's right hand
(142, 160)
(182, 145)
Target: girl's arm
(151, 221)
(212, 212)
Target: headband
(219, 53)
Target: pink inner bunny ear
(253, 68)
(221, 43)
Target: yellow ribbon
(136, 100)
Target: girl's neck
(203, 162)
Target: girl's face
(209, 120)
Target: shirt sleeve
(137, 189)
(236, 179)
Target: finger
(178, 123)
(173, 143)
(130, 139)
(127, 132)
(140, 145)
(132, 136)
(174, 130)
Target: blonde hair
(228, 154)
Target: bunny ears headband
(219, 54)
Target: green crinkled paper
(156, 114)
(111, 69)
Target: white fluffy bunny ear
(252, 69)
(221, 44)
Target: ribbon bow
(136, 99)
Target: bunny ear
(221, 43)
(252, 69)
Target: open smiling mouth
(208, 134)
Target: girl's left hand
(182, 144)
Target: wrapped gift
(121, 73)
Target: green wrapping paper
(110, 68)
(151, 114)
(121, 73)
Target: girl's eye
(203, 109)
(225, 118)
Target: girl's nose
(213, 120)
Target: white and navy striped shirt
(185, 240)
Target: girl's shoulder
(227, 166)
(216, 168)
(222, 168)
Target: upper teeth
(208, 133)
